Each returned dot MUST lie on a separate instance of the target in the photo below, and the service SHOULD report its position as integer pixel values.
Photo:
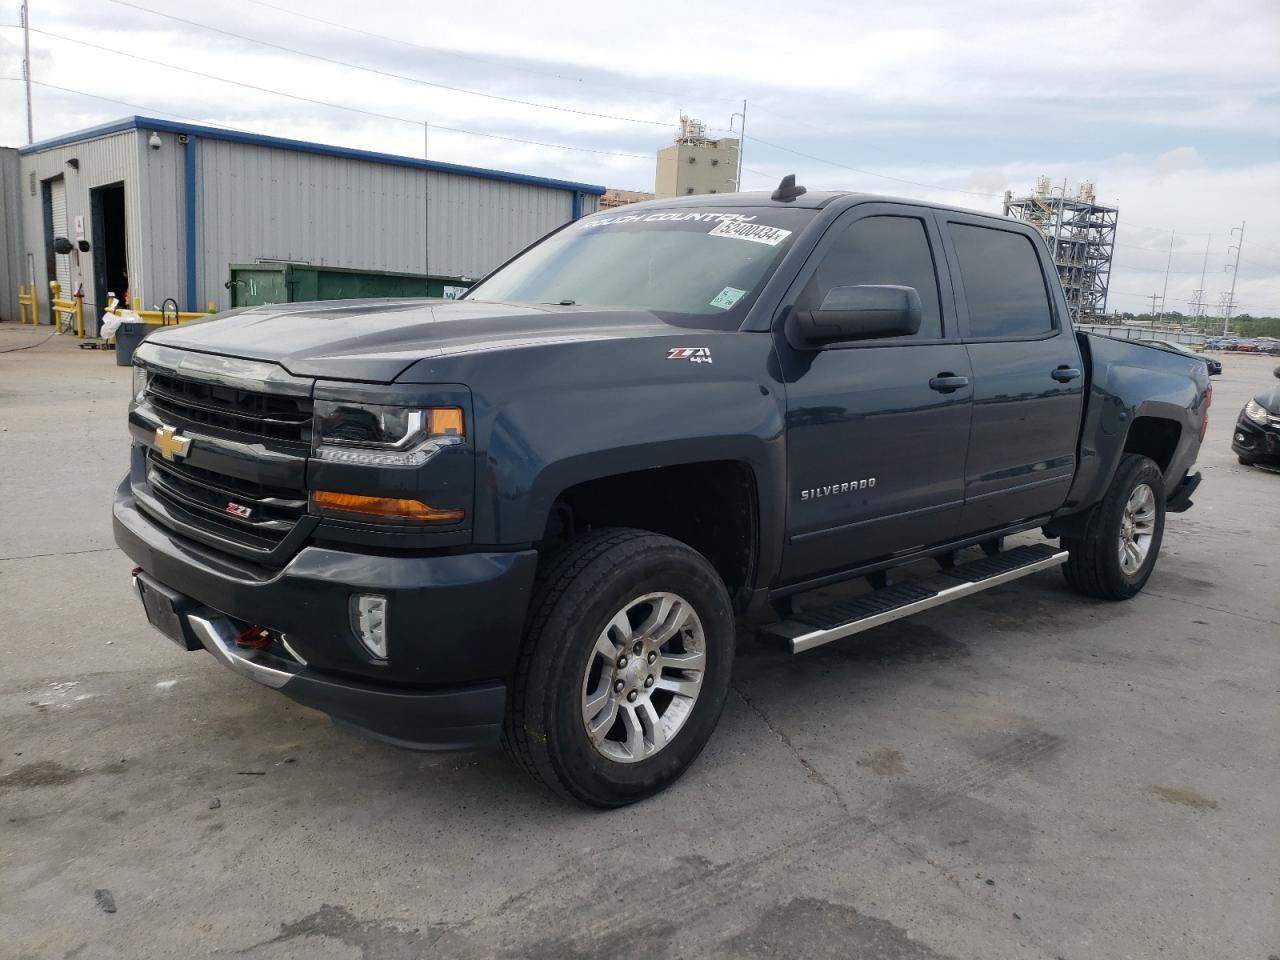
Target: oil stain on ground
(375, 939)
(807, 927)
(884, 762)
(1185, 797)
(42, 773)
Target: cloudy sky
(1172, 108)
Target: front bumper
(1256, 442)
(454, 626)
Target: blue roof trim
(304, 146)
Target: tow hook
(255, 638)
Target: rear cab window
(1002, 282)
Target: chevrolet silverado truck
(531, 516)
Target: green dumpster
(253, 284)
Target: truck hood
(377, 340)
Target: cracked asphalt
(1024, 774)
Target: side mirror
(61, 245)
(857, 313)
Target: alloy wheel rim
(643, 677)
(1137, 528)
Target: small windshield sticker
(727, 297)
(692, 354)
(755, 232)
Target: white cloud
(1171, 108)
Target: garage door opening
(110, 259)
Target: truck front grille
(242, 414)
(252, 513)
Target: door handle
(1065, 374)
(948, 383)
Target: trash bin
(128, 336)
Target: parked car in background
(1257, 436)
(1215, 366)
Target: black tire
(579, 591)
(1093, 567)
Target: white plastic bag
(111, 322)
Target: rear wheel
(1114, 558)
(625, 668)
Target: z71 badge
(692, 354)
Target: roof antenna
(787, 189)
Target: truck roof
(812, 200)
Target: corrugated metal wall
(12, 274)
(103, 161)
(162, 221)
(264, 203)
(261, 202)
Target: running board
(812, 628)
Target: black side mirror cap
(865, 312)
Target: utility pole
(742, 141)
(1198, 305)
(426, 140)
(26, 66)
(1154, 298)
(1167, 266)
(1235, 270)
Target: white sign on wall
(79, 228)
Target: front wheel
(625, 667)
(1117, 553)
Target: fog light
(369, 621)
(1241, 438)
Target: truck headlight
(370, 434)
(1255, 412)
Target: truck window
(699, 265)
(877, 250)
(1002, 282)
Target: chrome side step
(812, 628)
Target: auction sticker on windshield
(755, 232)
(727, 297)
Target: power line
(326, 103)
(388, 73)
(485, 60)
(868, 173)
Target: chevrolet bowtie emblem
(171, 444)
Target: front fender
(590, 411)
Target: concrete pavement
(1025, 774)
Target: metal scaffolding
(1081, 233)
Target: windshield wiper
(560, 303)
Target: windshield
(704, 266)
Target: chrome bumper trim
(219, 638)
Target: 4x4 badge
(171, 444)
(692, 354)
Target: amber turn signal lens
(383, 508)
(445, 422)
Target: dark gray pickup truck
(531, 516)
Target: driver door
(876, 439)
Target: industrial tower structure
(1081, 233)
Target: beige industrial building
(695, 164)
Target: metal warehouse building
(167, 208)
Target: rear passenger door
(1028, 377)
(876, 436)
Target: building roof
(301, 146)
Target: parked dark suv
(1257, 436)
